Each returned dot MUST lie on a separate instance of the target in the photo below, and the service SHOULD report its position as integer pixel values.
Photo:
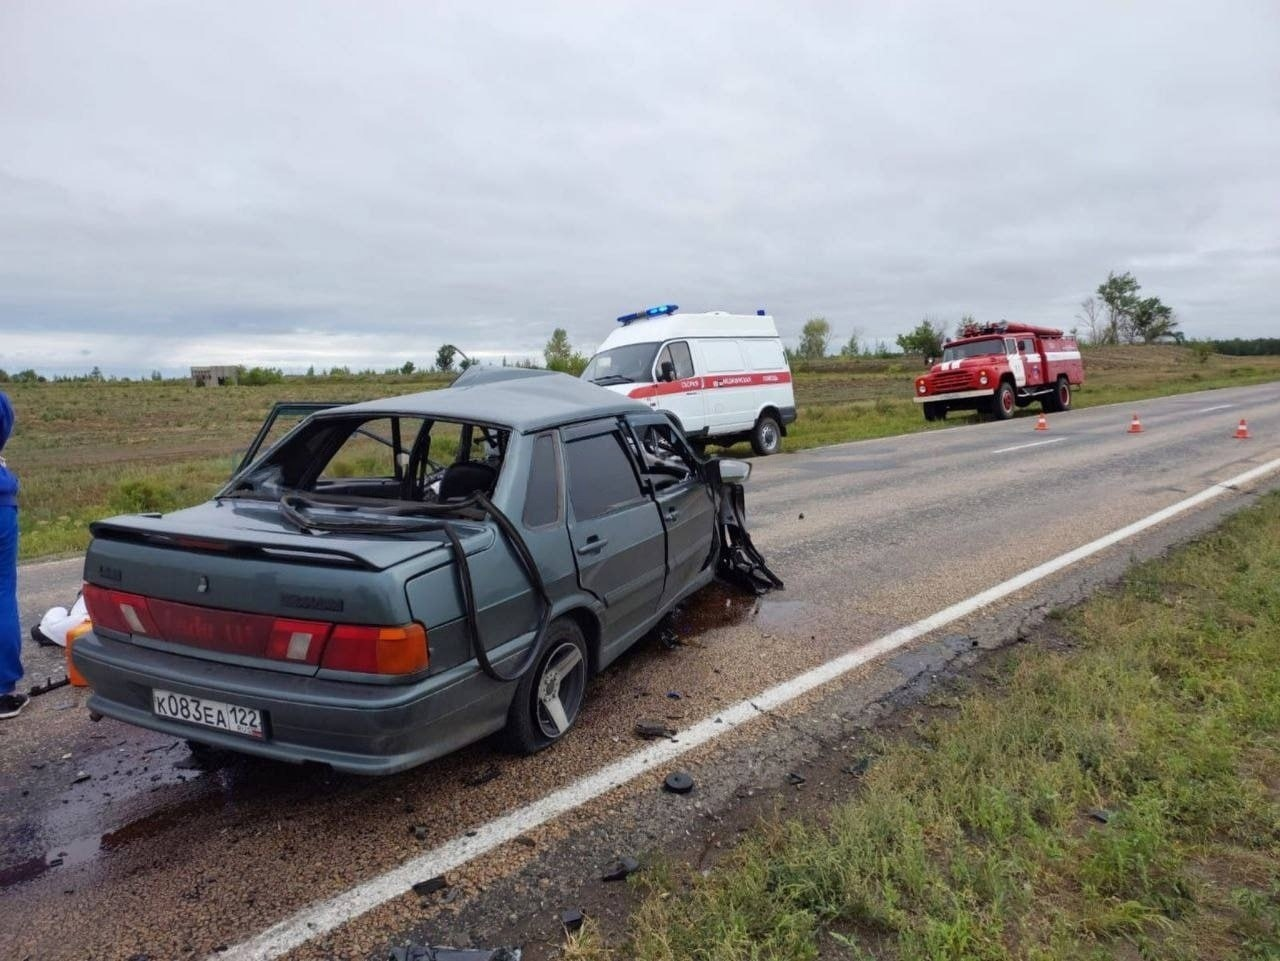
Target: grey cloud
(245, 178)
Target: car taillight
(376, 650)
(342, 647)
(118, 611)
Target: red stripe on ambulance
(710, 383)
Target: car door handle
(593, 545)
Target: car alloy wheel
(560, 686)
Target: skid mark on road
(1205, 410)
(325, 916)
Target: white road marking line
(325, 916)
(1205, 410)
(1037, 443)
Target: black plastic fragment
(1101, 815)
(794, 779)
(621, 869)
(653, 729)
(572, 920)
(678, 782)
(419, 831)
(425, 952)
(859, 767)
(430, 886)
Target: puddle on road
(718, 606)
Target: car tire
(1060, 399)
(1003, 401)
(766, 436)
(560, 675)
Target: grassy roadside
(88, 450)
(973, 839)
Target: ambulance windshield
(622, 365)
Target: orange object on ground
(1242, 432)
(1135, 427)
(1042, 423)
(77, 679)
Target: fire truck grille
(950, 380)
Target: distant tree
(260, 376)
(27, 376)
(311, 372)
(560, 355)
(1095, 324)
(4, 376)
(444, 358)
(815, 338)
(157, 376)
(96, 373)
(853, 346)
(1130, 318)
(408, 368)
(926, 339)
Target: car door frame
(683, 506)
(630, 608)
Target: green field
(1113, 795)
(87, 450)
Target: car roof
(522, 399)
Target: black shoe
(12, 704)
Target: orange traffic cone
(1242, 432)
(1136, 426)
(1042, 423)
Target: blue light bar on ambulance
(662, 311)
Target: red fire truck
(995, 368)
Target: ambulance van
(724, 377)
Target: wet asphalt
(118, 843)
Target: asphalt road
(117, 844)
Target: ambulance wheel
(1060, 399)
(1003, 401)
(766, 436)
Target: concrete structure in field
(215, 376)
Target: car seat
(465, 478)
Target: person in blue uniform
(11, 702)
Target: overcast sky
(355, 183)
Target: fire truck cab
(996, 368)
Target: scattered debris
(425, 952)
(802, 515)
(482, 776)
(49, 685)
(674, 695)
(526, 841)
(649, 729)
(430, 886)
(794, 779)
(572, 920)
(81, 777)
(669, 637)
(858, 767)
(621, 869)
(678, 782)
(1101, 815)
(419, 831)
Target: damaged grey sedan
(392, 580)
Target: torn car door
(618, 539)
(687, 506)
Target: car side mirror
(667, 371)
(727, 470)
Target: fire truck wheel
(1060, 399)
(935, 411)
(1002, 402)
(766, 436)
